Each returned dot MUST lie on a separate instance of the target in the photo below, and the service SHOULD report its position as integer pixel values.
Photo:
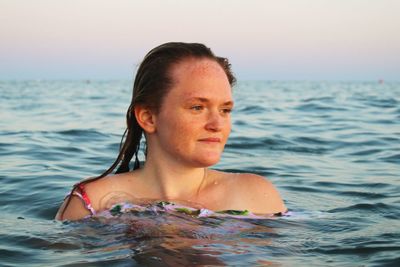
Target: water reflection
(176, 239)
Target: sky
(264, 39)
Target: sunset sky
(265, 40)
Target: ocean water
(331, 148)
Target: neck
(169, 181)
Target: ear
(145, 118)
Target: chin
(208, 161)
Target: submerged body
(185, 135)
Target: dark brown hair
(152, 82)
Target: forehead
(198, 78)
(197, 68)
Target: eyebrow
(205, 100)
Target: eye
(226, 110)
(196, 107)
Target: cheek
(177, 129)
(182, 126)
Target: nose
(215, 121)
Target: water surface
(331, 148)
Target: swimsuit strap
(84, 197)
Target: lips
(211, 140)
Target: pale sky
(264, 39)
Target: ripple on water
(368, 208)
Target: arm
(75, 209)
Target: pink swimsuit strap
(84, 197)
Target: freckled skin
(179, 128)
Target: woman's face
(194, 121)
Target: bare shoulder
(255, 181)
(244, 180)
(252, 192)
(110, 190)
(101, 193)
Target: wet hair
(152, 82)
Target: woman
(181, 103)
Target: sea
(332, 149)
